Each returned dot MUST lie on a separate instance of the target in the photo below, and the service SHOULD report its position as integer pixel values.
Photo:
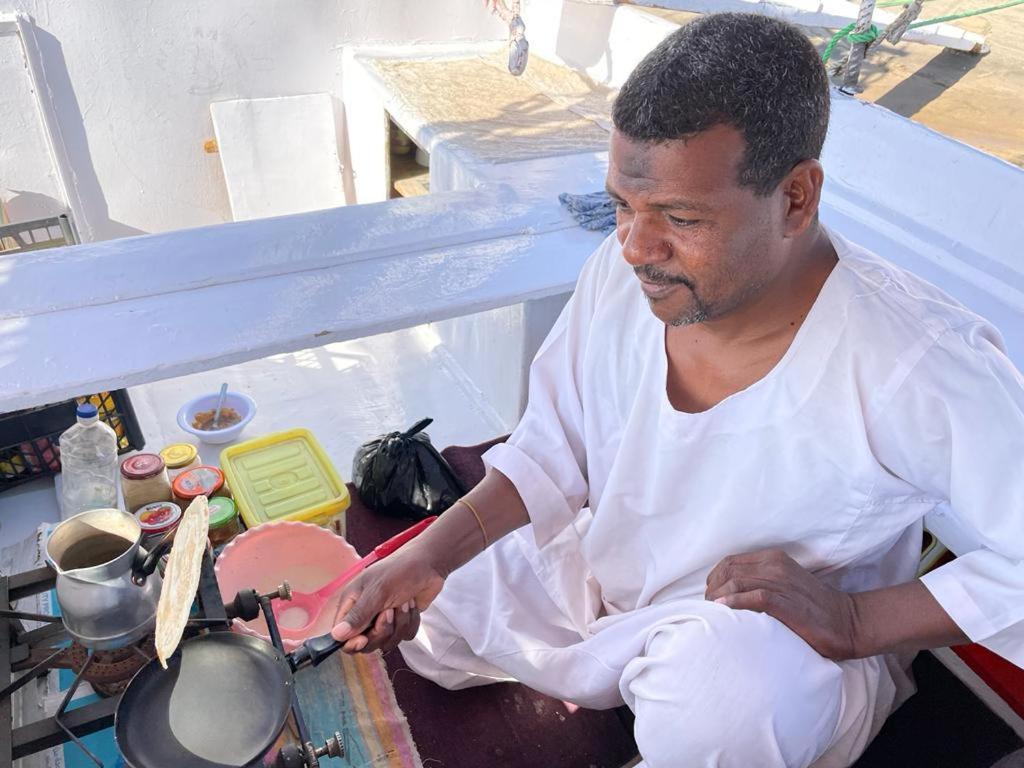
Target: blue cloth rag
(594, 211)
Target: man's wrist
(901, 618)
(453, 541)
(863, 631)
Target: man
(712, 508)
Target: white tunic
(892, 402)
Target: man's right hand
(380, 608)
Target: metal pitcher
(106, 585)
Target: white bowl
(244, 404)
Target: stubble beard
(698, 312)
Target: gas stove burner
(111, 671)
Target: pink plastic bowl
(306, 556)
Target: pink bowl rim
(237, 624)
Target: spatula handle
(389, 546)
(380, 551)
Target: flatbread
(181, 578)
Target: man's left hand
(770, 581)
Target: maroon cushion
(505, 725)
(467, 461)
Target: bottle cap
(86, 411)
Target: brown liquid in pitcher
(95, 550)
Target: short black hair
(759, 75)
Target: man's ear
(801, 195)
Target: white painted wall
(605, 41)
(28, 182)
(133, 81)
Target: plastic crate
(29, 439)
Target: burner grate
(39, 650)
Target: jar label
(201, 480)
(158, 515)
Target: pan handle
(314, 651)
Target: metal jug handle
(145, 564)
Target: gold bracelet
(479, 520)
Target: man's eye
(621, 205)
(681, 222)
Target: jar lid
(198, 481)
(178, 455)
(158, 516)
(222, 512)
(142, 465)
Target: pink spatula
(295, 617)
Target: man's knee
(733, 688)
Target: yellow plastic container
(284, 476)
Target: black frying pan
(221, 703)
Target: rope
(500, 9)
(859, 48)
(872, 34)
(966, 14)
(854, 37)
(894, 33)
(900, 24)
(518, 46)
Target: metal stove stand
(34, 652)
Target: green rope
(847, 33)
(965, 14)
(871, 33)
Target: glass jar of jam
(203, 480)
(157, 519)
(224, 521)
(144, 479)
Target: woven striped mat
(353, 695)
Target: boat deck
(975, 99)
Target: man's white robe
(893, 401)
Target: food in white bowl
(209, 421)
(196, 417)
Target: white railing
(136, 310)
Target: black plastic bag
(401, 474)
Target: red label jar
(156, 520)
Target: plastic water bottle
(88, 457)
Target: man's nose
(642, 241)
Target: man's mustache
(651, 274)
